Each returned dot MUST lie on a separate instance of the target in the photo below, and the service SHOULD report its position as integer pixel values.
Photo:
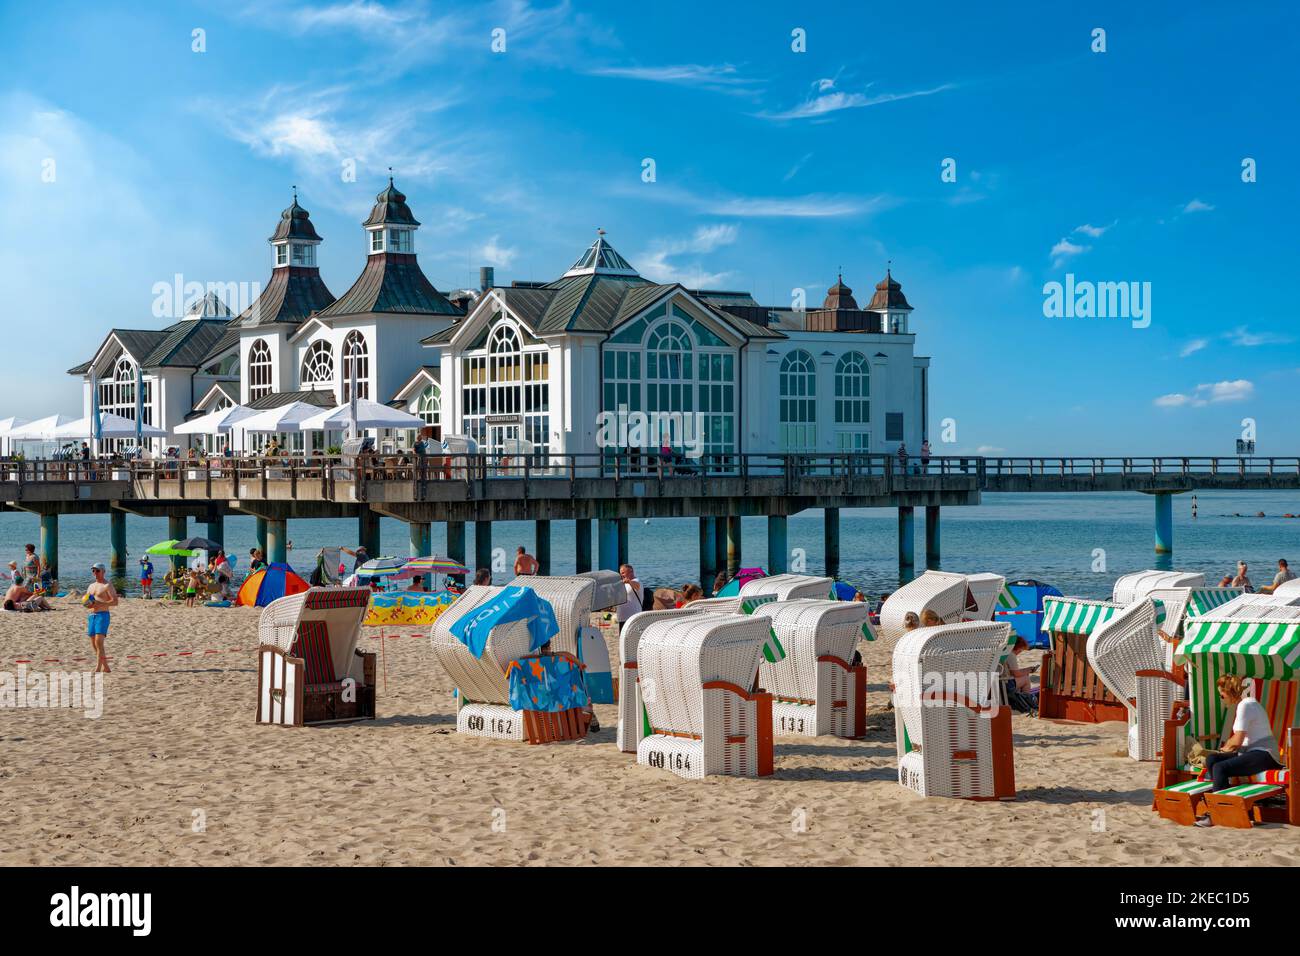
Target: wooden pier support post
(176, 530)
(708, 556)
(421, 535)
(49, 546)
(582, 545)
(777, 550)
(906, 537)
(623, 548)
(720, 546)
(932, 537)
(216, 531)
(368, 531)
(831, 521)
(543, 546)
(277, 541)
(483, 545)
(733, 545)
(260, 534)
(117, 540)
(607, 544)
(456, 542)
(1164, 523)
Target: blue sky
(772, 169)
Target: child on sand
(146, 577)
(191, 587)
(100, 596)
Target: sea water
(1078, 542)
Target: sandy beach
(175, 771)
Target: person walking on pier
(100, 596)
(902, 458)
(525, 563)
(925, 457)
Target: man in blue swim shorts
(100, 596)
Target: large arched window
(117, 395)
(318, 364)
(356, 361)
(505, 390)
(798, 402)
(429, 407)
(260, 379)
(852, 390)
(670, 369)
(504, 369)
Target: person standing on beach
(361, 556)
(482, 577)
(632, 604)
(31, 565)
(146, 577)
(100, 596)
(525, 563)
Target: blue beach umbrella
(512, 604)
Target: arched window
(356, 361)
(670, 369)
(798, 402)
(429, 407)
(260, 379)
(318, 364)
(504, 363)
(507, 381)
(852, 390)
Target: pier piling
(421, 534)
(49, 544)
(456, 541)
(777, 550)
(216, 531)
(708, 555)
(831, 519)
(906, 537)
(733, 545)
(117, 540)
(368, 531)
(1164, 523)
(543, 546)
(277, 541)
(932, 537)
(176, 530)
(483, 545)
(607, 544)
(623, 549)
(582, 545)
(260, 534)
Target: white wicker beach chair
(948, 595)
(954, 735)
(573, 598)
(481, 682)
(985, 588)
(784, 587)
(1132, 587)
(309, 669)
(816, 689)
(1132, 660)
(717, 605)
(632, 719)
(1288, 590)
(704, 716)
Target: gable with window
(261, 378)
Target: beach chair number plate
(794, 725)
(663, 761)
(498, 725)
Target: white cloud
(655, 264)
(1192, 347)
(1064, 250)
(794, 170)
(720, 77)
(807, 206)
(1197, 206)
(1095, 232)
(833, 102)
(1245, 338)
(1215, 393)
(494, 254)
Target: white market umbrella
(40, 430)
(286, 418)
(216, 423)
(110, 426)
(369, 414)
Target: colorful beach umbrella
(433, 566)
(381, 567)
(197, 544)
(171, 547)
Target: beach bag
(647, 598)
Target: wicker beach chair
(309, 669)
(633, 722)
(1288, 589)
(985, 589)
(948, 595)
(1132, 587)
(816, 689)
(954, 735)
(574, 598)
(784, 587)
(1260, 642)
(483, 682)
(1131, 659)
(704, 716)
(1069, 687)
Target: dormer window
(399, 240)
(304, 254)
(282, 255)
(377, 240)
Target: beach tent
(262, 587)
(1021, 606)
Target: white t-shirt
(1253, 721)
(633, 603)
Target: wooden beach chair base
(1237, 807)
(1181, 802)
